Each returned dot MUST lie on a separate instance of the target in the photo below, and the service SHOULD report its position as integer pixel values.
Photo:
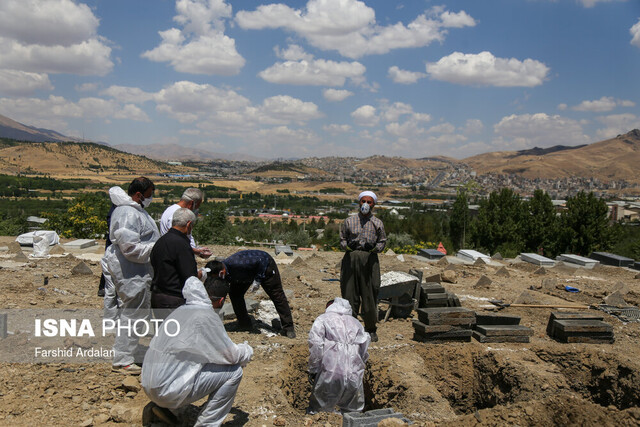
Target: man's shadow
(189, 416)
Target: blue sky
(320, 78)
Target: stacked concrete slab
(579, 327)
(607, 258)
(370, 418)
(492, 329)
(578, 260)
(286, 249)
(537, 259)
(433, 294)
(440, 324)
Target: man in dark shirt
(173, 263)
(245, 268)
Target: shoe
(132, 369)
(101, 292)
(289, 332)
(164, 415)
(241, 327)
(374, 336)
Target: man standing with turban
(362, 236)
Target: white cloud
(349, 26)
(335, 129)
(131, 112)
(283, 109)
(562, 107)
(635, 33)
(516, 132)
(201, 47)
(486, 70)
(317, 72)
(293, 52)
(403, 76)
(13, 82)
(365, 116)
(606, 103)
(473, 126)
(336, 95)
(447, 128)
(127, 94)
(51, 36)
(617, 124)
(592, 3)
(392, 112)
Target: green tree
(585, 225)
(80, 221)
(214, 227)
(459, 220)
(499, 226)
(541, 223)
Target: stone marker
(81, 243)
(497, 256)
(540, 271)
(14, 248)
(298, 262)
(500, 338)
(81, 269)
(484, 281)
(21, 257)
(390, 252)
(57, 250)
(549, 283)
(3, 325)
(501, 330)
(615, 299)
(480, 261)
(493, 319)
(449, 276)
(443, 261)
(433, 279)
(503, 272)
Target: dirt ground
(461, 384)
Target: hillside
(169, 152)
(74, 159)
(613, 159)
(11, 129)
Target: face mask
(146, 202)
(365, 208)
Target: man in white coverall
(133, 233)
(338, 352)
(198, 361)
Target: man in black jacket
(173, 263)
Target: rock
(14, 248)
(298, 262)
(529, 410)
(449, 276)
(69, 256)
(637, 276)
(443, 261)
(20, 257)
(81, 269)
(479, 261)
(131, 383)
(497, 256)
(390, 252)
(87, 423)
(503, 272)
(392, 422)
(121, 414)
(100, 419)
(400, 258)
(57, 250)
(483, 282)
(549, 283)
(540, 271)
(433, 279)
(620, 287)
(279, 421)
(615, 299)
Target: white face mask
(365, 208)
(146, 202)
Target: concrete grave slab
(608, 258)
(537, 259)
(579, 260)
(80, 244)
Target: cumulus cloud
(317, 72)
(14, 82)
(606, 103)
(516, 132)
(51, 36)
(349, 26)
(484, 69)
(335, 129)
(86, 87)
(365, 116)
(592, 3)
(336, 95)
(200, 47)
(403, 76)
(635, 34)
(283, 109)
(617, 124)
(473, 126)
(293, 52)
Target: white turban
(370, 194)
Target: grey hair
(192, 195)
(182, 216)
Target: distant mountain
(11, 129)
(175, 152)
(537, 151)
(616, 158)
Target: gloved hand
(254, 286)
(248, 353)
(369, 247)
(353, 245)
(203, 274)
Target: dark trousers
(164, 304)
(360, 283)
(272, 285)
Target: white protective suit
(338, 352)
(133, 233)
(111, 302)
(200, 360)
